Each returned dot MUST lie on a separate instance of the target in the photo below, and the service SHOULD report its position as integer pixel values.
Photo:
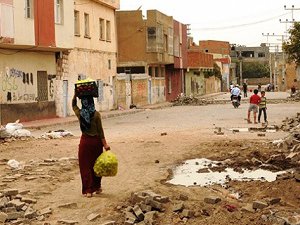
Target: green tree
(292, 45)
(254, 70)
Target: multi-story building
(175, 72)
(33, 35)
(221, 54)
(94, 54)
(197, 81)
(145, 48)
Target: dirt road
(145, 159)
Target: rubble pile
(295, 97)
(146, 206)
(17, 207)
(184, 100)
(46, 169)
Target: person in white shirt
(236, 92)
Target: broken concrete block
(68, 205)
(155, 205)
(16, 203)
(109, 223)
(212, 200)
(29, 200)
(3, 202)
(150, 217)
(129, 222)
(46, 211)
(248, 208)
(145, 208)
(130, 216)
(259, 205)
(68, 222)
(3, 217)
(14, 215)
(178, 207)
(162, 199)
(138, 212)
(30, 213)
(188, 213)
(297, 177)
(93, 216)
(10, 192)
(273, 201)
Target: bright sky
(237, 21)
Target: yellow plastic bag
(106, 165)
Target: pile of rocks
(145, 208)
(15, 206)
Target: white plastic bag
(14, 164)
(12, 127)
(21, 133)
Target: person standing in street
(245, 89)
(254, 101)
(91, 144)
(263, 107)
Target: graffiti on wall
(51, 78)
(12, 86)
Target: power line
(240, 25)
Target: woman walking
(91, 144)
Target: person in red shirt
(254, 102)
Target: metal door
(65, 98)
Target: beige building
(33, 35)
(145, 48)
(94, 54)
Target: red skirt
(90, 148)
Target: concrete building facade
(221, 54)
(175, 72)
(94, 54)
(145, 48)
(33, 34)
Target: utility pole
(292, 9)
(275, 60)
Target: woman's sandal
(88, 195)
(99, 191)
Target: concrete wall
(137, 90)
(64, 33)
(194, 84)
(19, 85)
(23, 27)
(212, 85)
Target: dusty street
(146, 159)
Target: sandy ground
(137, 141)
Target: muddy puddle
(204, 172)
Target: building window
(101, 29)
(58, 11)
(150, 72)
(86, 25)
(261, 54)
(165, 43)
(155, 39)
(108, 31)
(76, 23)
(109, 64)
(28, 9)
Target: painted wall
(95, 11)
(18, 74)
(19, 85)
(24, 27)
(212, 85)
(64, 33)
(194, 84)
